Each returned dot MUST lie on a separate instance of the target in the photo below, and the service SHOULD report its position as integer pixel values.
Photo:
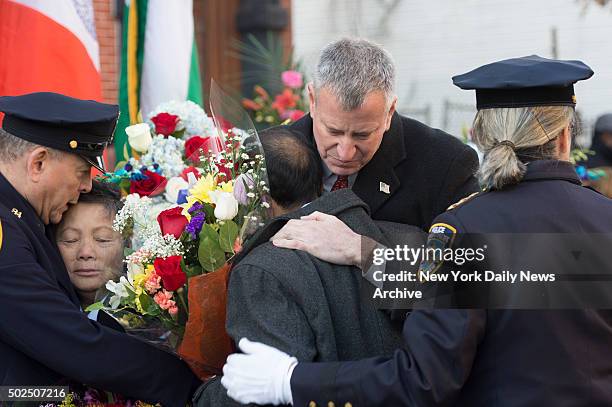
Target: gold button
(347, 404)
(312, 404)
(73, 144)
(331, 404)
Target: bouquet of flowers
(288, 106)
(190, 202)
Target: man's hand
(323, 236)
(261, 375)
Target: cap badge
(73, 144)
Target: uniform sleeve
(459, 181)
(40, 321)
(430, 369)
(439, 347)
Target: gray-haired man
(404, 170)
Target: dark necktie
(341, 183)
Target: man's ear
(311, 98)
(390, 113)
(37, 162)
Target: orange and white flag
(49, 45)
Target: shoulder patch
(462, 201)
(443, 228)
(441, 236)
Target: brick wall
(108, 31)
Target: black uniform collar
(19, 206)
(551, 169)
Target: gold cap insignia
(73, 144)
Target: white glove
(261, 375)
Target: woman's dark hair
(294, 168)
(104, 193)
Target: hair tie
(505, 143)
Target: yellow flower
(201, 188)
(226, 187)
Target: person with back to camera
(479, 357)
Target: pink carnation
(164, 299)
(173, 310)
(292, 79)
(152, 283)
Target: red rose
(198, 146)
(169, 269)
(165, 123)
(190, 170)
(172, 222)
(154, 184)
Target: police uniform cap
(83, 127)
(523, 82)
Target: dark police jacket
(491, 358)
(45, 339)
(426, 171)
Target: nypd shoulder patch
(441, 236)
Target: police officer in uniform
(48, 143)
(478, 357)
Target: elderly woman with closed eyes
(92, 251)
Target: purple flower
(241, 188)
(197, 206)
(195, 224)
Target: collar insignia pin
(16, 212)
(384, 188)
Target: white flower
(167, 153)
(139, 136)
(175, 184)
(119, 290)
(226, 205)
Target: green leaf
(148, 305)
(209, 231)
(95, 306)
(209, 210)
(227, 235)
(210, 254)
(178, 133)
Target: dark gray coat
(306, 307)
